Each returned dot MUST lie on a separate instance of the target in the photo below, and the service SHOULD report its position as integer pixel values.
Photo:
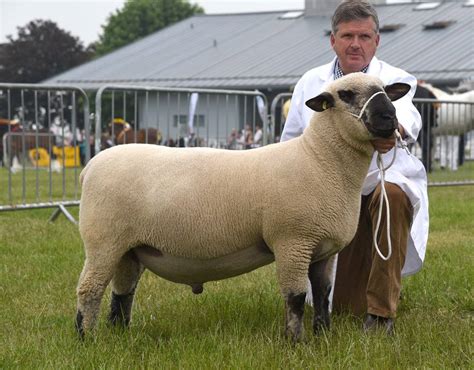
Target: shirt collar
(338, 71)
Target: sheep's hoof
(197, 288)
(295, 337)
(294, 317)
(320, 324)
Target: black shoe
(374, 322)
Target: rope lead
(384, 197)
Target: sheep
(428, 112)
(455, 119)
(194, 215)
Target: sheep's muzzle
(382, 120)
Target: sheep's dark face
(365, 97)
(379, 116)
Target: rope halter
(364, 107)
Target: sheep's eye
(346, 95)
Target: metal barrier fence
(180, 117)
(278, 112)
(43, 130)
(445, 144)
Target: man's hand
(384, 145)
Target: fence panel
(44, 141)
(278, 112)
(180, 117)
(445, 144)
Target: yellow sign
(39, 157)
(67, 156)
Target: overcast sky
(83, 18)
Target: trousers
(365, 283)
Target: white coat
(407, 171)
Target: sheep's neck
(328, 145)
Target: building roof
(268, 50)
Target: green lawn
(236, 323)
(32, 186)
(464, 173)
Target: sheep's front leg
(320, 276)
(292, 276)
(294, 316)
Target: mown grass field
(236, 323)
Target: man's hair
(352, 10)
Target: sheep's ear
(321, 102)
(397, 90)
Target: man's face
(355, 43)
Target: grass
(464, 173)
(236, 323)
(32, 186)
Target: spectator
(258, 137)
(247, 136)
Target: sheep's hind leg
(96, 275)
(320, 277)
(124, 283)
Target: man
(365, 284)
(257, 138)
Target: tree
(139, 18)
(41, 50)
